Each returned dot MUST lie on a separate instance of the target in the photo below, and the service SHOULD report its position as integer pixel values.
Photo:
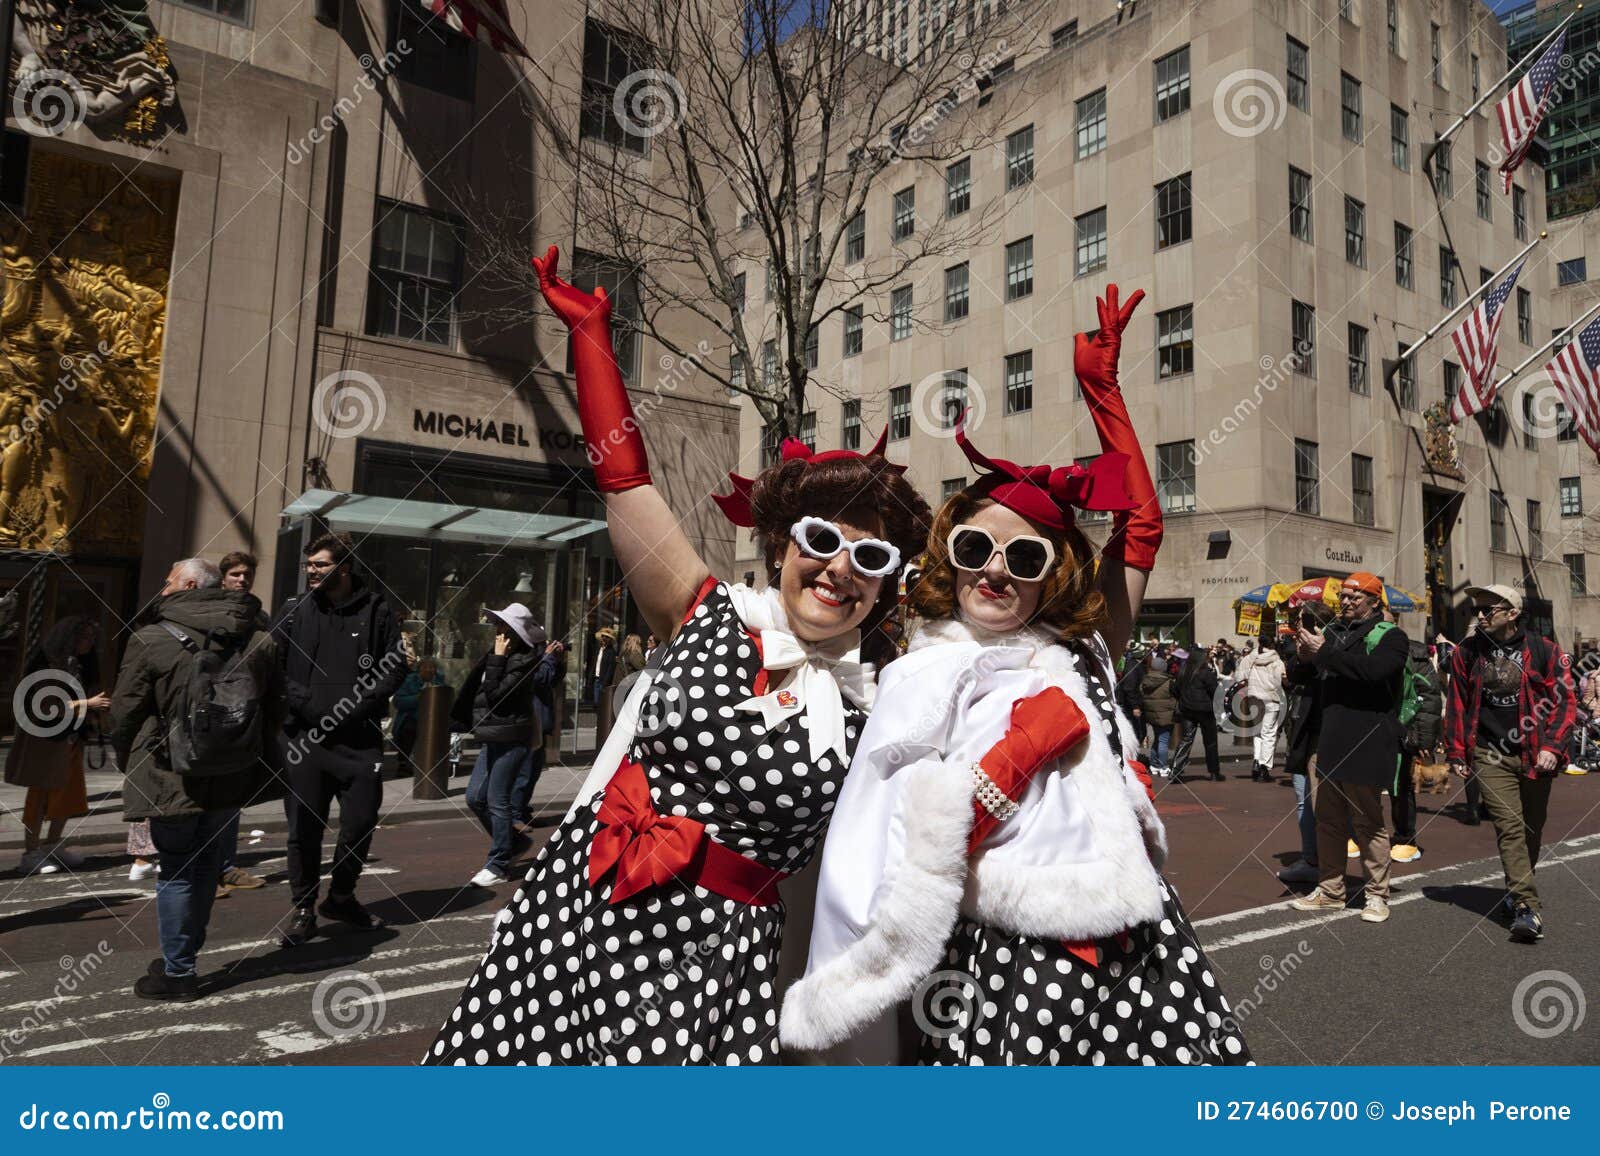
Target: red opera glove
(611, 432)
(1142, 773)
(1136, 533)
(1043, 727)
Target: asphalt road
(1438, 983)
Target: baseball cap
(1498, 593)
(1364, 582)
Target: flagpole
(1462, 308)
(1533, 54)
(1511, 375)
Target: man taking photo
(1511, 711)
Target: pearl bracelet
(994, 800)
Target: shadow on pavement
(72, 911)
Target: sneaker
(1318, 900)
(141, 871)
(1575, 769)
(241, 880)
(66, 856)
(348, 909)
(1376, 910)
(1405, 852)
(1351, 851)
(37, 862)
(301, 928)
(173, 988)
(1526, 926)
(487, 878)
(1300, 872)
(223, 891)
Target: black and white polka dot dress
(1018, 999)
(675, 974)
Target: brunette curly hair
(866, 491)
(1069, 605)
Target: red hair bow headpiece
(736, 506)
(1047, 496)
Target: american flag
(483, 20)
(1522, 109)
(1576, 372)
(1478, 341)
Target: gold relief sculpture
(1439, 441)
(81, 326)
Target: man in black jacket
(189, 814)
(1360, 660)
(342, 659)
(1196, 691)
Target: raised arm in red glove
(616, 451)
(1135, 534)
(1044, 727)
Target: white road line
(39, 900)
(1319, 920)
(126, 1038)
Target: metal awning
(403, 518)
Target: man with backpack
(1360, 663)
(1421, 711)
(194, 716)
(1511, 713)
(340, 651)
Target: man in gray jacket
(190, 813)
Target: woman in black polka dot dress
(997, 855)
(647, 929)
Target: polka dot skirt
(1017, 999)
(675, 974)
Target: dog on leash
(1432, 777)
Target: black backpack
(215, 727)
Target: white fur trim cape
(1079, 861)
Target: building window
(1566, 427)
(771, 446)
(233, 11)
(1019, 158)
(1175, 477)
(416, 273)
(855, 238)
(1304, 322)
(808, 429)
(1399, 138)
(1019, 381)
(1402, 256)
(1174, 212)
(1299, 73)
(1392, 20)
(958, 187)
(1091, 242)
(769, 364)
(736, 293)
(1065, 34)
(899, 413)
(1406, 383)
(1172, 84)
(950, 487)
(1572, 497)
(1350, 106)
(431, 53)
(1519, 212)
(1452, 381)
(1355, 232)
(811, 256)
(1572, 272)
(1306, 498)
(735, 371)
(1299, 204)
(1447, 277)
(1175, 342)
(1347, 9)
(1524, 317)
(852, 331)
(1473, 70)
(609, 58)
(1577, 579)
(1435, 55)
(850, 424)
(1497, 520)
(1356, 354)
(1481, 187)
(952, 398)
(1019, 269)
(955, 292)
(1443, 175)
(1484, 275)
(771, 283)
(905, 213)
(1362, 507)
(813, 347)
(900, 313)
(1091, 124)
(1535, 529)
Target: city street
(1437, 984)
